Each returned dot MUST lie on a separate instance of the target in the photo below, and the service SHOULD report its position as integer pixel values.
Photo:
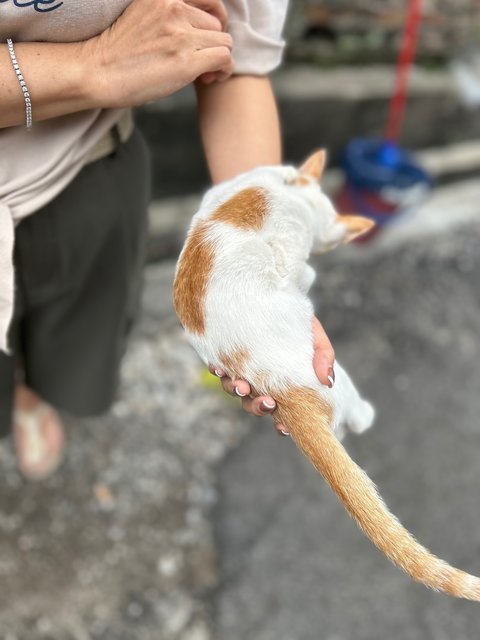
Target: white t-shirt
(36, 165)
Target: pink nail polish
(331, 377)
(265, 406)
(240, 395)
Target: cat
(240, 292)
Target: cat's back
(229, 263)
(222, 251)
(227, 234)
(228, 288)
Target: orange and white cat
(240, 292)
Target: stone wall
(362, 31)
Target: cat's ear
(353, 226)
(314, 165)
(343, 229)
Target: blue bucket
(382, 180)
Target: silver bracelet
(23, 85)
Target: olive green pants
(78, 268)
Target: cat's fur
(241, 293)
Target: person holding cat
(74, 183)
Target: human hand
(155, 48)
(217, 9)
(323, 364)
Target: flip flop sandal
(34, 460)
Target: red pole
(404, 63)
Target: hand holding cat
(323, 363)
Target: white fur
(257, 293)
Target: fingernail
(219, 373)
(267, 406)
(240, 395)
(331, 377)
(284, 433)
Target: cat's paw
(364, 417)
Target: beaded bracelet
(23, 85)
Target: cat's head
(333, 229)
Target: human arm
(153, 49)
(241, 115)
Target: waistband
(114, 137)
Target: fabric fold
(7, 234)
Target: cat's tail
(309, 421)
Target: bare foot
(38, 435)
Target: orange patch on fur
(297, 403)
(233, 363)
(191, 282)
(246, 210)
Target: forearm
(56, 76)
(239, 125)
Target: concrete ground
(179, 518)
